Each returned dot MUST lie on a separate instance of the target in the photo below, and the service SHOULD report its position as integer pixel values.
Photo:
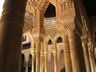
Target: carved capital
(84, 39)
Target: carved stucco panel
(28, 22)
(65, 7)
(52, 32)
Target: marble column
(46, 55)
(33, 62)
(42, 58)
(38, 33)
(38, 46)
(46, 64)
(67, 57)
(74, 51)
(11, 28)
(41, 63)
(58, 61)
(26, 67)
(33, 54)
(55, 55)
(55, 62)
(92, 63)
(86, 57)
(26, 62)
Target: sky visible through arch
(1, 6)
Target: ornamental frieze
(65, 9)
(65, 5)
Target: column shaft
(74, 51)
(37, 63)
(26, 67)
(91, 57)
(26, 61)
(33, 62)
(46, 55)
(55, 55)
(55, 62)
(86, 58)
(46, 63)
(11, 28)
(33, 54)
(41, 64)
(38, 46)
(67, 57)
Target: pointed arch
(50, 11)
(50, 42)
(59, 40)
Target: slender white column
(26, 62)
(41, 63)
(55, 62)
(86, 57)
(33, 54)
(92, 63)
(74, 51)
(38, 46)
(26, 67)
(55, 56)
(45, 55)
(67, 57)
(46, 64)
(33, 62)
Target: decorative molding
(65, 8)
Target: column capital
(74, 28)
(45, 53)
(84, 39)
(54, 54)
(26, 58)
(33, 53)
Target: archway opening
(49, 42)
(51, 11)
(30, 63)
(59, 40)
(22, 63)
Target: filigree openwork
(28, 22)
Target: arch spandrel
(32, 5)
(28, 22)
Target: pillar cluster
(77, 51)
